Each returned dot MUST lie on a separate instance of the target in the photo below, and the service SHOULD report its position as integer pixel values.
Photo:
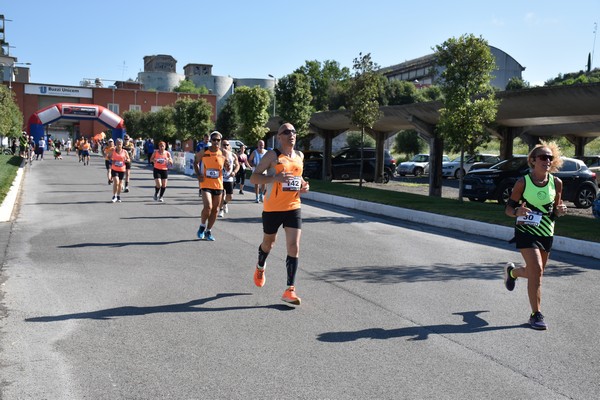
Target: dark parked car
(346, 164)
(313, 164)
(496, 182)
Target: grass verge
(9, 165)
(568, 226)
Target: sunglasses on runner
(288, 132)
(545, 157)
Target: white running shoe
(114, 199)
(220, 213)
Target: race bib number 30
(293, 184)
(532, 218)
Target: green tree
(516, 83)
(573, 78)
(187, 86)
(11, 118)
(134, 124)
(294, 100)
(408, 142)
(160, 125)
(192, 118)
(252, 108)
(356, 139)
(325, 80)
(430, 93)
(228, 122)
(365, 90)
(469, 98)
(398, 92)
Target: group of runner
(535, 203)
(277, 175)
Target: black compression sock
(291, 263)
(262, 257)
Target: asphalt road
(121, 301)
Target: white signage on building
(63, 91)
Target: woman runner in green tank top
(535, 202)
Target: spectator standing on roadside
(535, 202)
(208, 165)
(161, 159)
(39, 151)
(23, 144)
(254, 160)
(281, 170)
(203, 144)
(149, 149)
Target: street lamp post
(274, 105)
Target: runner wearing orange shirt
(78, 144)
(284, 167)
(85, 151)
(118, 157)
(161, 160)
(107, 150)
(208, 165)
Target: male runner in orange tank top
(284, 182)
(208, 165)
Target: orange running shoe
(289, 296)
(259, 277)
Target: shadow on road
(472, 323)
(131, 311)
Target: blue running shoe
(209, 236)
(536, 321)
(200, 233)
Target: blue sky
(68, 41)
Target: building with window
(423, 71)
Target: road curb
(580, 247)
(8, 205)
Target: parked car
(346, 164)
(313, 164)
(593, 163)
(452, 169)
(418, 166)
(235, 144)
(496, 182)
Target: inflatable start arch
(74, 111)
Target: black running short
(228, 187)
(214, 192)
(527, 241)
(120, 174)
(161, 173)
(272, 220)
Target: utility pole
(594, 46)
